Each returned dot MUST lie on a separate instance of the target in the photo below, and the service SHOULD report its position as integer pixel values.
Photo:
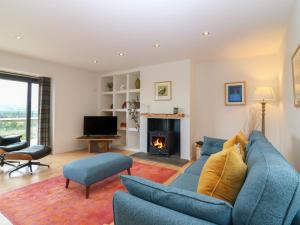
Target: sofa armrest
(132, 210)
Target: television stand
(98, 143)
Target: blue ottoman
(90, 170)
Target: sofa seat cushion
(212, 145)
(187, 202)
(130, 210)
(186, 181)
(197, 166)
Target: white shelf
(134, 90)
(107, 92)
(112, 101)
(132, 129)
(120, 110)
(121, 92)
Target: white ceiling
(76, 32)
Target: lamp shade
(264, 94)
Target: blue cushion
(270, 189)
(130, 210)
(186, 181)
(190, 203)
(197, 166)
(96, 168)
(212, 145)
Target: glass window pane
(13, 107)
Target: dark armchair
(10, 144)
(12, 148)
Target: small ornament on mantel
(137, 83)
(175, 110)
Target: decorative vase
(137, 83)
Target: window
(19, 106)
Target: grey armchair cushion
(15, 146)
(11, 139)
(36, 152)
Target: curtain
(44, 132)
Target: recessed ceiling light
(205, 33)
(19, 37)
(156, 45)
(121, 53)
(95, 61)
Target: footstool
(90, 170)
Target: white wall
(290, 137)
(217, 120)
(73, 96)
(180, 74)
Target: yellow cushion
(241, 139)
(223, 175)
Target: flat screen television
(100, 125)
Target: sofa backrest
(270, 194)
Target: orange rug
(49, 203)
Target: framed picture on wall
(235, 93)
(163, 91)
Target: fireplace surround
(163, 136)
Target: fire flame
(158, 143)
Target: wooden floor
(56, 163)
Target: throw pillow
(240, 139)
(223, 175)
(212, 145)
(187, 202)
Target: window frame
(29, 80)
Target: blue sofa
(269, 196)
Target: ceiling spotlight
(19, 37)
(205, 33)
(121, 54)
(95, 61)
(156, 45)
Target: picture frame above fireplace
(163, 91)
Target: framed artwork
(163, 91)
(235, 93)
(296, 76)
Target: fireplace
(163, 136)
(161, 143)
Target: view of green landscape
(13, 121)
(13, 109)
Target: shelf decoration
(137, 83)
(110, 86)
(132, 109)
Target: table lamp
(264, 95)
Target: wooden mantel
(163, 115)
